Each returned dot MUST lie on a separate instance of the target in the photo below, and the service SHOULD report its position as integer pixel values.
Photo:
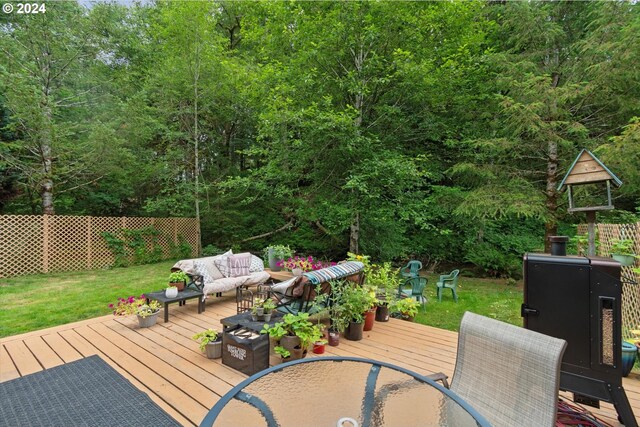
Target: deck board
(165, 363)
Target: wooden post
(591, 229)
(89, 254)
(45, 243)
(175, 231)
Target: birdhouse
(588, 169)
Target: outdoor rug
(87, 392)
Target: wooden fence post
(89, 261)
(45, 243)
(175, 230)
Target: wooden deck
(165, 363)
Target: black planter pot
(354, 331)
(382, 315)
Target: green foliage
(178, 276)
(295, 325)
(430, 130)
(135, 247)
(211, 250)
(181, 250)
(279, 251)
(406, 306)
(205, 337)
(622, 247)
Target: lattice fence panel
(67, 248)
(101, 256)
(168, 237)
(606, 233)
(190, 231)
(21, 243)
(31, 244)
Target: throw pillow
(209, 264)
(202, 270)
(239, 264)
(256, 264)
(222, 263)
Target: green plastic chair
(412, 269)
(414, 287)
(448, 281)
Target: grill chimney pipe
(558, 245)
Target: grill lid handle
(525, 310)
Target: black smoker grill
(578, 299)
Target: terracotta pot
(290, 342)
(382, 314)
(408, 318)
(179, 285)
(369, 319)
(354, 331)
(334, 338)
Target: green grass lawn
(41, 301)
(488, 297)
(36, 302)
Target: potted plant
(147, 313)
(407, 307)
(319, 346)
(285, 355)
(171, 292)
(356, 300)
(178, 279)
(384, 278)
(210, 342)
(295, 333)
(622, 251)
(268, 305)
(275, 254)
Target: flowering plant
(306, 264)
(133, 305)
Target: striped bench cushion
(334, 272)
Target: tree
(46, 56)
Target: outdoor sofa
(224, 272)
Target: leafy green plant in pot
(385, 279)
(336, 310)
(407, 307)
(356, 301)
(210, 342)
(296, 333)
(622, 251)
(275, 254)
(178, 279)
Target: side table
(181, 299)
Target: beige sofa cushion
(229, 283)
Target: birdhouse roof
(587, 169)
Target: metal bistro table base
(181, 299)
(352, 391)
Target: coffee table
(244, 320)
(181, 299)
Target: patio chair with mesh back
(509, 374)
